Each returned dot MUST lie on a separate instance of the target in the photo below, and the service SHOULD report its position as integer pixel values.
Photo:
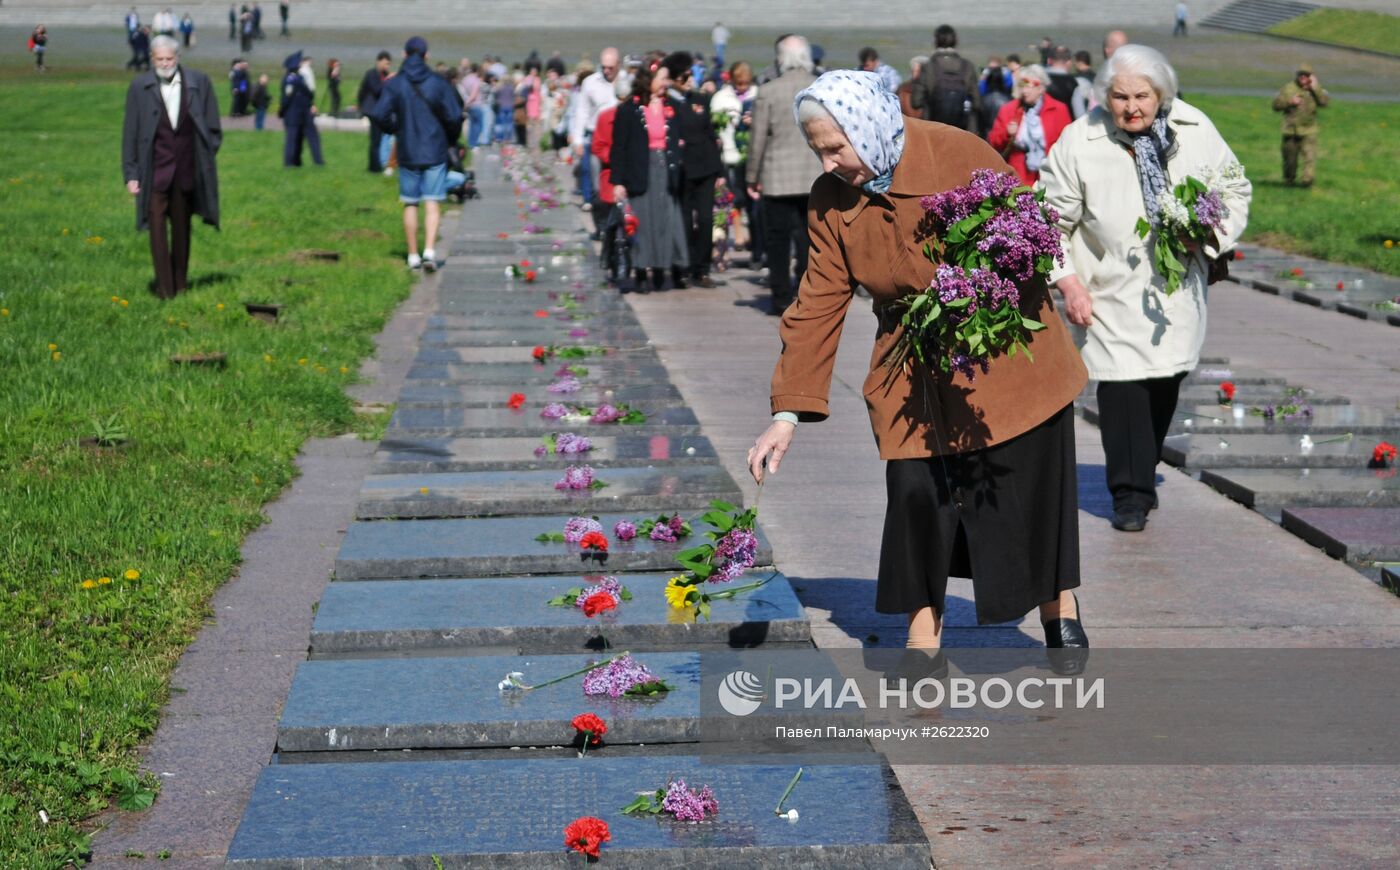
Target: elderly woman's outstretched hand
(769, 449)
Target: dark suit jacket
(700, 154)
(630, 160)
(370, 88)
(297, 100)
(144, 108)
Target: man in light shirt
(597, 93)
(170, 137)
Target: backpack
(948, 99)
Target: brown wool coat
(877, 242)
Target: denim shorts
(419, 184)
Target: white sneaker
(415, 262)
(388, 172)
(430, 262)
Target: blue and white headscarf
(867, 113)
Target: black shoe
(1129, 519)
(707, 282)
(918, 664)
(1154, 503)
(1066, 644)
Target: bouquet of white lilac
(1190, 214)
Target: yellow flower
(267, 357)
(57, 356)
(124, 303)
(132, 574)
(257, 481)
(65, 231)
(302, 361)
(88, 584)
(184, 325)
(116, 299)
(343, 369)
(4, 312)
(423, 490)
(170, 320)
(321, 369)
(678, 591)
(1390, 243)
(94, 240)
(104, 580)
(53, 346)
(219, 307)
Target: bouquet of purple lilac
(623, 675)
(998, 239)
(1191, 214)
(682, 802)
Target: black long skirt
(1006, 516)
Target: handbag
(1218, 268)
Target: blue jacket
(426, 125)
(297, 99)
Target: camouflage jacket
(1299, 120)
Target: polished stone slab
(510, 814)
(1260, 395)
(387, 549)
(527, 421)
(512, 493)
(639, 353)
(510, 613)
(636, 369)
(652, 395)
(563, 334)
(525, 317)
(1213, 375)
(1262, 451)
(407, 455)
(1326, 421)
(1356, 534)
(1273, 488)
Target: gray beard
(167, 78)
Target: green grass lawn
(1375, 31)
(1351, 211)
(111, 554)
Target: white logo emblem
(740, 693)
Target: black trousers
(1134, 417)
(170, 254)
(296, 134)
(374, 139)
(698, 209)
(785, 233)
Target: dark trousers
(698, 209)
(170, 255)
(296, 134)
(1134, 417)
(375, 138)
(785, 233)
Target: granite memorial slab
(1274, 488)
(422, 394)
(639, 354)
(510, 613)
(1356, 534)
(513, 493)
(563, 334)
(388, 549)
(527, 421)
(1262, 451)
(1212, 376)
(610, 370)
(526, 316)
(510, 814)
(407, 455)
(1326, 421)
(1255, 395)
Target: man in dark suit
(371, 86)
(297, 111)
(701, 165)
(169, 141)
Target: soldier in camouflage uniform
(1299, 101)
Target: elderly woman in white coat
(1105, 173)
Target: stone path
(396, 742)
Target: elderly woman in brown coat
(981, 472)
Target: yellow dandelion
(678, 591)
(65, 231)
(104, 581)
(219, 307)
(423, 490)
(257, 481)
(343, 369)
(170, 320)
(132, 574)
(116, 299)
(302, 361)
(267, 357)
(53, 346)
(124, 303)
(95, 240)
(184, 325)
(57, 356)
(88, 584)
(1390, 243)
(4, 312)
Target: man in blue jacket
(424, 112)
(298, 109)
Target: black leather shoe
(1129, 519)
(1066, 644)
(918, 664)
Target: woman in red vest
(1027, 128)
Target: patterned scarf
(868, 114)
(1151, 149)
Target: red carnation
(1296, 272)
(502, 235)
(592, 727)
(538, 353)
(541, 313)
(524, 264)
(530, 276)
(515, 401)
(598, 602)
(587, 834)
(1227, 390)
(1382, 455)
(594, 541)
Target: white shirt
(720, 35)
(170, 93)
(595, 94)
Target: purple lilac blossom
(576, 477)
(663, 532)
(606, 414)
(578, 332)
(625, 530)
(541, 451)
(616, 678)
(577, 527)
(553, 411)
(688, 805)
(566, 384)
(1210, 210)
(610, 585)
(568, 442)
(734, 554)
